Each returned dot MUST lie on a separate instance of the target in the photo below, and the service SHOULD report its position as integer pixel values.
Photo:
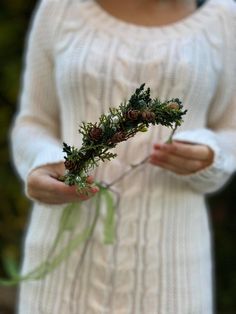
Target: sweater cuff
(213, 177)
(49, 157)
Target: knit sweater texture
(79, 61)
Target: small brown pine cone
(133, 114)
(148, 116)
(71, 165)
(173, 105)
(118, 137)
(95, 133)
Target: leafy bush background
(15, 208)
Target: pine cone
(133, 114)
(148, 116)
(118, 137)
(72, 165)
(173, 105)
(95, 133)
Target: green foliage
(118, 125)
(14, 19)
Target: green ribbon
(69, 220)
(109, 224)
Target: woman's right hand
(43, 185)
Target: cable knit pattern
(79, 61)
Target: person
(81, 58)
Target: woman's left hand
(181, 157)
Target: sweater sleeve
(35, 130)
(220, 131)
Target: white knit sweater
(80, 60)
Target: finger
(50, 190)
(187, 150)
(169, 167)
(40, 182)
(73, 194)
(89, 191)
(179, 163)
(45, 191)
(65, 194)
(90, 179)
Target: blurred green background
(14, 208)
